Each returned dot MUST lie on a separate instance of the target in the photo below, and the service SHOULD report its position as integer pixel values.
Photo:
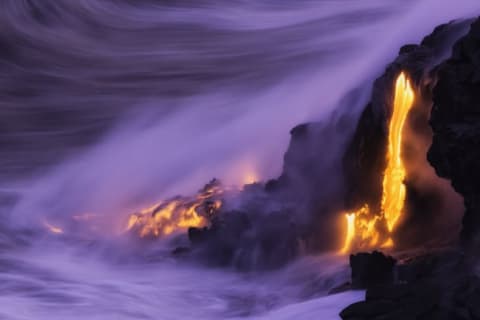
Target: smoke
(209, 98)
(186, 93)
(109, 105)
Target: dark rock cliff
(455, 119)
(443, 284)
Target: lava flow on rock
(179, 213)
(366, 229)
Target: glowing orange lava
(250, 178)
(177, 214)
(52, 228)
(393, 188)
(365, 229)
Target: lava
(52, 228)
(394, 190)
(250, 178)
(169, 216)
(178, 214)
(366, 229)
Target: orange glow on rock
(178, 214)
(250, 178)
(366, 230)
(52, 228)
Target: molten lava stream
(394, 191)
(364, 229)
(178, 214)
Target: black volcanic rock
(437, 285)
(247, 241)
(455, 120)
(397, 301)
(434, 265)
(198, 235)
(370, 269)
(428, 300)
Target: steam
(109, 106)
(232, 124)
(175, 132)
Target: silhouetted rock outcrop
(455, 119)
(437, 285)
(312, 181)
(369, 269)
(421, 300)
(400, 301)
